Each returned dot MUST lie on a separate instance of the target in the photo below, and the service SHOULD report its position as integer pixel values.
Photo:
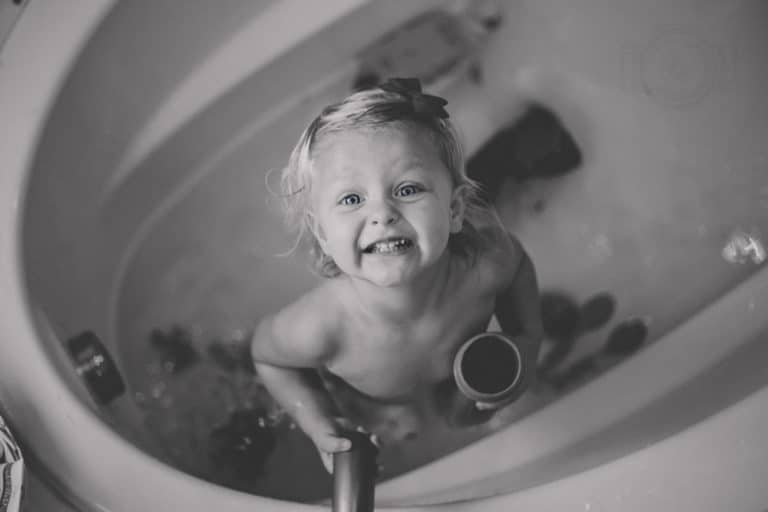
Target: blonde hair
(376, 108)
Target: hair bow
(423, 104)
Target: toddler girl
(415, 263)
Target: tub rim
(745, 420)
(38, 67)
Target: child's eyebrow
(414, 169)
(412, 163)
(339, 185)
(417, 171)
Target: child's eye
(350, 200)
(407, 190)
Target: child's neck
(404, 302)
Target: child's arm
(518, 311)
(286, 349)
(518, 308)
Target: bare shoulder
(502, 255)
(302, 334)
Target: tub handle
(354, 475)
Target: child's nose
(384, 214)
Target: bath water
(201, 408)
(197, 283)
(209, 415)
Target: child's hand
(327, 444)
(330, 440)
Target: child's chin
(389, 279)
(392, 283)
(385, 281)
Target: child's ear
(458, 204)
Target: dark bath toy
(536, 146)
(560, 316)
(597, 311)
(626, 338)
(231, 356)
(243, 445)
(175, 347)
(94, 364)
(564, 322)
(561, 320)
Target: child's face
(384, 203)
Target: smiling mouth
(389, 246)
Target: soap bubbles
(744, 247)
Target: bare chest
(392, 361)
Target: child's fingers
(327, 445)
(327, 459)
(371, 436)
(348, 425)
(331, 443)
(344, 423)
(485, 406)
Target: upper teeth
(389, 245)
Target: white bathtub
(119, 117)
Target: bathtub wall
(143, 117)
(664, 100)
(157, 91)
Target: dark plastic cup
(489, 368)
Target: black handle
(354, 475)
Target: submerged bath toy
(176, 348)
(96, 367)
(536, 146)
(243, 445)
